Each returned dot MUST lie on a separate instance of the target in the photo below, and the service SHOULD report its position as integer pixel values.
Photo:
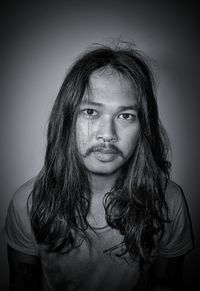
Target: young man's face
(107, 126)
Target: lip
(105, 155)
(106, 151)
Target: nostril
(111, 139)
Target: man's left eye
(126, 116)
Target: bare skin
(100, 185)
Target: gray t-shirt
(91, 268)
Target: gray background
(38, 44)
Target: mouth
(105, 155)
(107, 151)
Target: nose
(106, 131)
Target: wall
(41, 41)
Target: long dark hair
(61, 195)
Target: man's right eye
(90, 112)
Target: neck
(101, 184)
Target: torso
(91, 269)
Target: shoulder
(173, 190)
(174, 197)
(18, 231)
(177, 238)
(20, 197)
(20, 202)
(18, 211)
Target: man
(102, 213)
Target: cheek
(83, 135)
(130, 140)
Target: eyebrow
(133, 107)
(91, 103)
(120, 108)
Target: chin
(103, 170)
(103, 173)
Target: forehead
(109, 85)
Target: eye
(89, 112)
(127, 116)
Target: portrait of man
(99, 146)
(103, 210)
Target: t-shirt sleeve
(17, 231)
(177, 239)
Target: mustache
(103, 148)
